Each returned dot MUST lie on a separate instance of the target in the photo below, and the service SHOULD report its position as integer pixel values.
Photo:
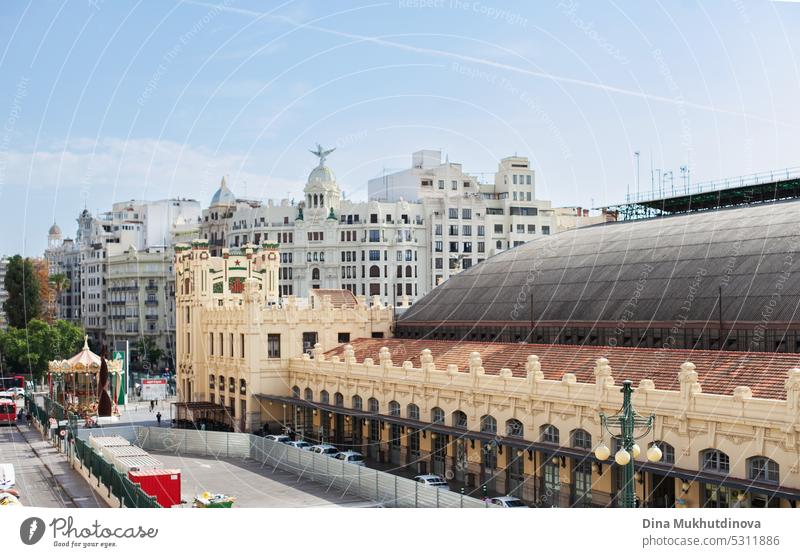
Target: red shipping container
(164, 485)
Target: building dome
(223, 195)
(321, 175)
(676, 280)
(54, 230)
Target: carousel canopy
(84, 361)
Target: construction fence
(387, 489)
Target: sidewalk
(75, 488)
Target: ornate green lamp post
(627, 426)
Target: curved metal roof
(669, 270)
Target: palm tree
(60, 283)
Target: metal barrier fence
(129, 493)
(382, 487)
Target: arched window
(459, 419)
(763, 469)
(437, 415)
(412, 412)
(581, 439)
(408, 271)
(338, 399)
(394, 408)
(667, 451)
(374, 272)
(514, 428)
(295, 392)
(211, 381)
(308, 257)
(231, 385)
(324, 397)
(358, 404)
(221, 383)
(488, 424)
(309, 394)
(549, 434)
(373, 405)
(713, 460)
(315, 273)
(242, 387)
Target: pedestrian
(158, 419)
(152, 405)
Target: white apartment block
(140, 291)
(370, 248)
(420, 226)
(130, 225)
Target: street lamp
(628, 426)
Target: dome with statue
(321, 175)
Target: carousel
(86, 384)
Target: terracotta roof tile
(719, 372)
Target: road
(37, 486)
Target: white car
(7, 476)
(299, 444)
(432, 480)
(507, 501)
(18, 391)
(327, 450)
(278, 438)
(353, 457)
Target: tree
(22, 285)
(46, 295)
(30, 349)
(60, 284)
(149, 355)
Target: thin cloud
(490, 63)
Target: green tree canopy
(22, 284)
(148, 353)
(30, 349)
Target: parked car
(278, 438)
(327, 450)
(432, 480)
(19, 392)
(507, 501)
(7, 477)
(300, 444)
(353, 457)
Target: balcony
(151, 302)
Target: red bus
(8, 411)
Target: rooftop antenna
(636, 154)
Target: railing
(373, 485)
(714, 185)
(128, 493)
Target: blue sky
(107, 101)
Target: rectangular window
(241, 345)
(374, 255)
(453, 230)
(230, 343)
(466, 214)
(374, 235)
(466, 230)
(481, 230)
(343, 338)
(521, 229)
(452, 213)
(211, 343)
(545, 230)
(441, 184)
(273, 346)
(531, 229)
(438, 246)
(498, 228)
(454, 185)
(438, 230)
(481, 247)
